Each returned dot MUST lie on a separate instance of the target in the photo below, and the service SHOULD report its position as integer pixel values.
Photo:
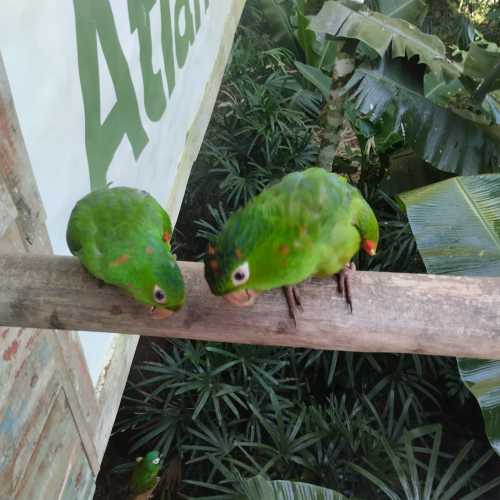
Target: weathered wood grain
(15, 167)
(440, 315)
(48, 407)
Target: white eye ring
(241, 274)
(156, 461)
(159, 295)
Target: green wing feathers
(105, 220)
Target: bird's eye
(240, 274)
(159, 295)
(156, 461)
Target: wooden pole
(411, 313)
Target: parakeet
(145, 473)
(122, 236)
(310, 223)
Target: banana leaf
(413, 11)
(457, 227)
(480, 61)
(382, 33)
(258, 488)
(452, 141)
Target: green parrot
(311, 223)
(122, 236)
(145, 473)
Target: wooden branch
(411, 313)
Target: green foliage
(288, 21)
(264, 129)
(314, 75)
(401, 87)
(233, 411)
(439, 136)
(445, 20)
(409, 463)
(385, 34)
(481, 64)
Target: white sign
(107, 91)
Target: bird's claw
(293, 301)
(344, 283)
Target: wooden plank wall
(48, 406)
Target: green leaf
(258, 488)
(482, 378)
(413, 11)
(457, 227)
(443, 93)
(314, 75)
(382, 33)
(306, 38)
(439, 136)
(480, 61)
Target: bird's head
(369, 230)
(369, 246)
(240, 263)
(150, 461)
(159, 283)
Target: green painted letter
(183, 41)
(95, 18)
(197, 14)
(167, 44)
(154, 96)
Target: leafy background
(355, 424)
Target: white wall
(38, 41)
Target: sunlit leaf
(457, 225)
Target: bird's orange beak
(370, 247)
(161, 313)
(242, 298)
